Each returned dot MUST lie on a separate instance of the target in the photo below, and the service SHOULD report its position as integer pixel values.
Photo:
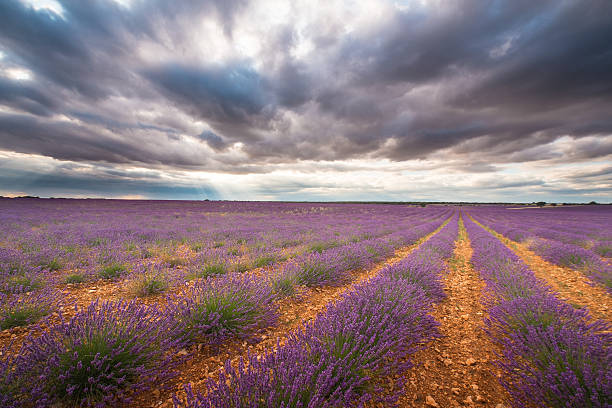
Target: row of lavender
(573, 238)
(340, 358)
(553, 354)
(239, 305)
(108, 348)
(106, 239)
(310, 269)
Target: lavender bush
(575, 257)
(9, 383)
(559, 367)
(215, 309)
(25, 309)
(100, 356)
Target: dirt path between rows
(571, 286)
(457, 369)
(292, 315)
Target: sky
(407, 100)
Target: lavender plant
(422, 270)
(9, 382)
(22, 310)
(215, 309)
(150, 283)
(101, 356)
(285, 282)
(559, 367)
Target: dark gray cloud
(213, 140)
(232, 93)
(26, 98)
(68, 141)
(225, 85)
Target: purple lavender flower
(214, 309)
(100, 356)
(332, 361)
(553, 355)
(9, 383)
(25, 309)
(559, 367)
(335, 360)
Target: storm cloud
(261, 87)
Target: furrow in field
(293, 314)
(457, 369)
(571, 286)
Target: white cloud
(50, 5)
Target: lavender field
(272, 304)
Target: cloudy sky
(307, 100)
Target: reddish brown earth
(457, 369)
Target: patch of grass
(52, 265)
(22, 283)
(150, 284)
(75, 278)
(240, 267)
(284, 285)
(112, 271)
(264, 260)
(21, 315)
